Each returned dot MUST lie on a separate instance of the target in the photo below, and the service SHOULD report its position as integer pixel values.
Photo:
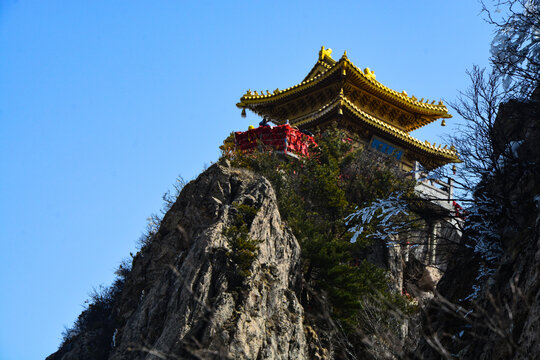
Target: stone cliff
(182, 300)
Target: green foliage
(243, 249)
(315, 195)
(347, 284)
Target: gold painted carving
(325, 52)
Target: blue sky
(104, 103)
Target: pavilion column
(434, 229)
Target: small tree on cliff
(515, 49)
(515, 56)
(486, 146)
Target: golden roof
(362, 78)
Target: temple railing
(437, 191)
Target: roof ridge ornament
(369, 73)
(325, 53)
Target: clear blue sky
(104, 103)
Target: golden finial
(344, 54)
(268, 92)
(443, 123)
(404, 93)
(440, 102)
(414, 98)
(276, 91)
(248, 92)
(255, 92)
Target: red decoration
(459, 210)
(281, 138)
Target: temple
(338, 91)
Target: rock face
(179, 300)
(503, 322)
(430, 278)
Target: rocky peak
(179, 301)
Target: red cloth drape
(282, 138)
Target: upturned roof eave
(399, 99)
(411, 127)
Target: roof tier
(431, 155)
(343, 74)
